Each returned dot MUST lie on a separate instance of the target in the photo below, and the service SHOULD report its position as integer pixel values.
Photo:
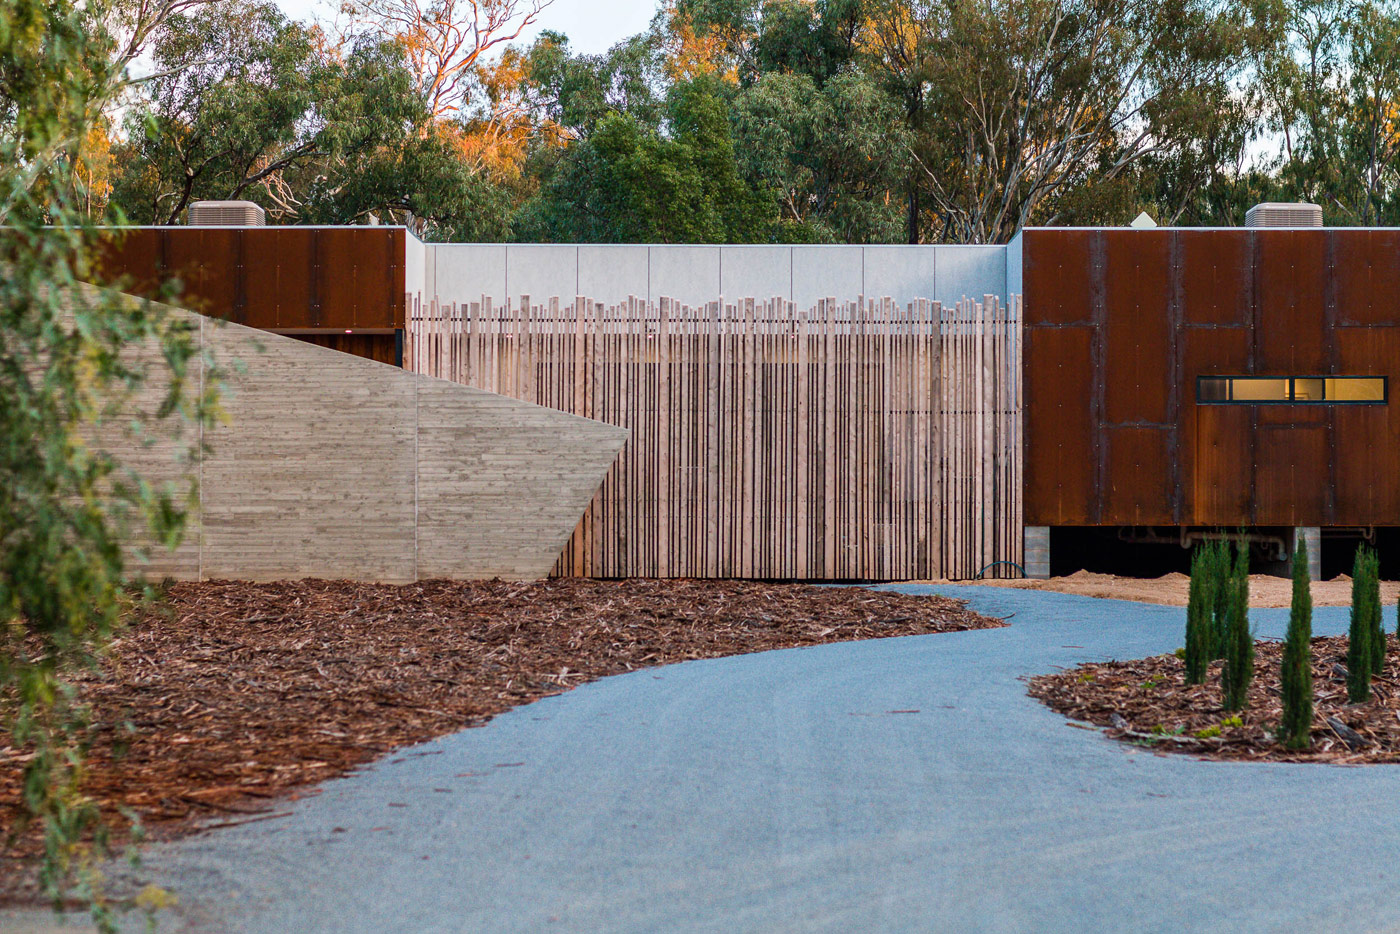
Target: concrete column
(1037, 557)
(1313, 536)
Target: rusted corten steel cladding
(311, 283)
(1120, 323)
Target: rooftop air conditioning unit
(225, 214)
(1284, 214)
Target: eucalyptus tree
(1024, 109)
(67, 505)
(835, 155)
(677, 183)
(250, 105)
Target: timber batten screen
(852, 441)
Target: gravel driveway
(894, 785)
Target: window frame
(1231, 400)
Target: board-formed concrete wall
(610, 273)
(330, 465)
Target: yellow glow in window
(1261, 390)
(1364, 389)
(1309, 389)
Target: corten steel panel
(271, 277)
(380, 347)
(1284, 415)
(354, 278)
(1255, 302)
(374, 295)
(1366, 270)
(1214, 441)
(1290, 276)
(1221, 487)
(1057, 275)
(1137, 338)
(336, 284)
(1137, 488)
(1215, 276)
(398, 277)
(1060, 456)
(1366, 438)
(277, 264)
(1290, 475)
(130, 259)
(206, 261)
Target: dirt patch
(1148, 701)
(236, 692)
(1170, 590)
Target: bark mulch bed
(234, 693)
(1147, 701)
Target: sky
(592, 25)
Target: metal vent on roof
(226, 214)
(1284, 214)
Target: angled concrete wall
(463, 272)
(335, 466)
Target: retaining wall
(335, 466)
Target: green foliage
(1208, 732)
(831, 154)
(1360, 637)
(577, 91)
(66, 505)
(1200, 603)
(1371, 594)
(814, 38)
(249, 105)
(1211, 571)
(1296, 674)
(1231, 722)
(628, 183)
(1239, 641)
(849, 120)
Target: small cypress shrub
(1218, 575)
(1295, 729)
(1239, 642)
(1200, 624)
(1373, 610)
(1359, 635)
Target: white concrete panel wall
(820, 272)
(701, 273)
(612, 273)
(542, 271)
(463, 272)
(755, 272)
(688, 274)
(900, 272)
(415, 281)
(970, 272)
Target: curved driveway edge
(904, 784)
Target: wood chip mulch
(1147, 701)
(234, 693)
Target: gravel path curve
(895, 785)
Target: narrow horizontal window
(1292, 390)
